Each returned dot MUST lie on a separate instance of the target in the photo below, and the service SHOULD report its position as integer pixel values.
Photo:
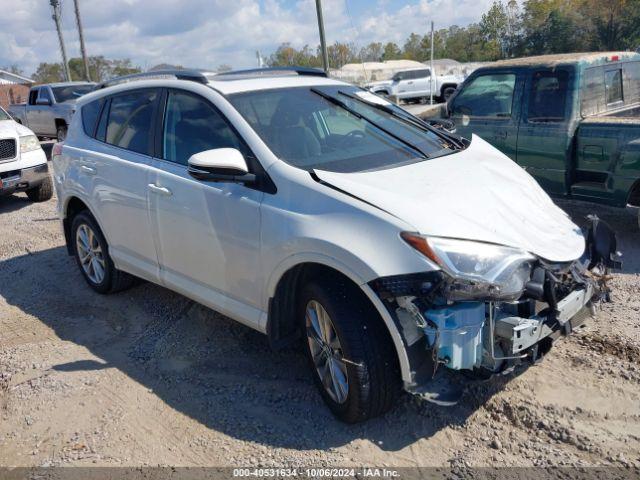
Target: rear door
(115, 173)
(35, 111)
(545, 138)
(489, 106)
(208, 233)
(421, 83)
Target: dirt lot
(147, 377)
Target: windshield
(71, 92)
(329, 128)
(4, 115)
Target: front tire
(42, 192)
(352, 358)
(447, 92)
(92, 256)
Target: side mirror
(220, 165)
(43, 101)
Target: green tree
(286, 56)
(99, 68)
(122, 67)
(341, 53)
(372, 52)
(494, 27)
(49, 73)
(412, 49)
(391, 52)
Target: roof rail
(193, 75)
(256, 72)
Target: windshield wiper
(407, 118)
(341, 104)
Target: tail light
(57, 150)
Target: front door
(489, 106)
(545, 138)
(208, 233)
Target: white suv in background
(308, 208)
(23, 164)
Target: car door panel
(489, 106)
(208, 233)
(208, 237)
(545, 137)
(119, 185)
(118, 167)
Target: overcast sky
(207, 33)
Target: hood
(9, 128)
(475, 194)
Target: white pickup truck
(23, 164)
(414, 84)
(50, 107)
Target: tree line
(506, 30)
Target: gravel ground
(147, 377)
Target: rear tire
(92, 256)
(42, 192)
(61, 132)
(371, 364)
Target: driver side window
(192, 125)
(486, 96)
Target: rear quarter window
(90, 113)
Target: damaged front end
(492, 307)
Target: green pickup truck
(572, 121)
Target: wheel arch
(72, 206)
(282, 328)
(447, 85)
(633, 198)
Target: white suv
(308, 208)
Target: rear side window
(613, 86)
(487, 96)
(90, 114)
(548, 97)
(129, 125)
(33, 94)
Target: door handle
(160, 190)
(501, 135)
(88, 170)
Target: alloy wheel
(326, 352)
(90, 254)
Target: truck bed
(628, 115)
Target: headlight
(480, 270)
(28, 143)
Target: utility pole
(323, 43)
(85, 60)
(55, 6)
(432, 77)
